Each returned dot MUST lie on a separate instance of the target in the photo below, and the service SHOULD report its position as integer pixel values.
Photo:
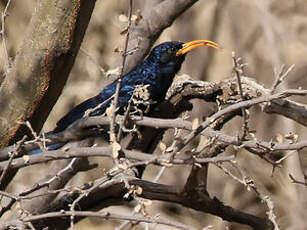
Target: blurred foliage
(266, 34)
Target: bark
(42, 65)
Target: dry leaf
(195, 123)
(115, 149)
(247, 112)
(134, 17)
(110, 111)
(179, 139)
(26, 158)
(169, 149)
(139, 17)
(292, 137)
(118, 50)
(139, 190)
(123, 18)
(124, 31)
(112, 137)
(123, 166)
(162, 146)
(137, 208)
(115, 71)
(147, 202)
(279, 138)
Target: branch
(146, 32)
(114, 104)
(133, 155)
(114, 191)
(234, 107)
(181, 91)
(41, 68)
(297, 181)
(290, 109)
(42, 65)
(101, 214)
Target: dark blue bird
(157, 71)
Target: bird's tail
(49, 148)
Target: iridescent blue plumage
(157, 71)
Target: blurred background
(265, 33)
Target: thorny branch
(234, 107)
(112, 187)
(280, 76)
(297, 181)
(249, 184)
(111, 111)
(118, 85)
(238, 69)
(100, 214)
(132, 158)
(144, 159)
(79, 129)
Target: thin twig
(118, 85)
(12, 156)
(124, 121)
(124, 224)
(290, 153)
(101, 214)
(296, 181)
(238, 69)
(49, 181)
(280, 75)
(40, 141)
(31, 226)
(179, 123)
(140, 157)
(232, 108)
(79, 129)
(160, 173)
(248, 182)
(91, 110)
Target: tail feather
(49, 148)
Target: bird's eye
(167, 55)
(170, 50)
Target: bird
(157, 71)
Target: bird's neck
(159, 79)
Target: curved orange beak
(187, 47)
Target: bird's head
(169, 56)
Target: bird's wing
(78, 112)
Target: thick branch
(178, 94)
(290, 109)
(155, 20)
(201, 202)
(133, 155)
(112, 193)
(42, 65)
